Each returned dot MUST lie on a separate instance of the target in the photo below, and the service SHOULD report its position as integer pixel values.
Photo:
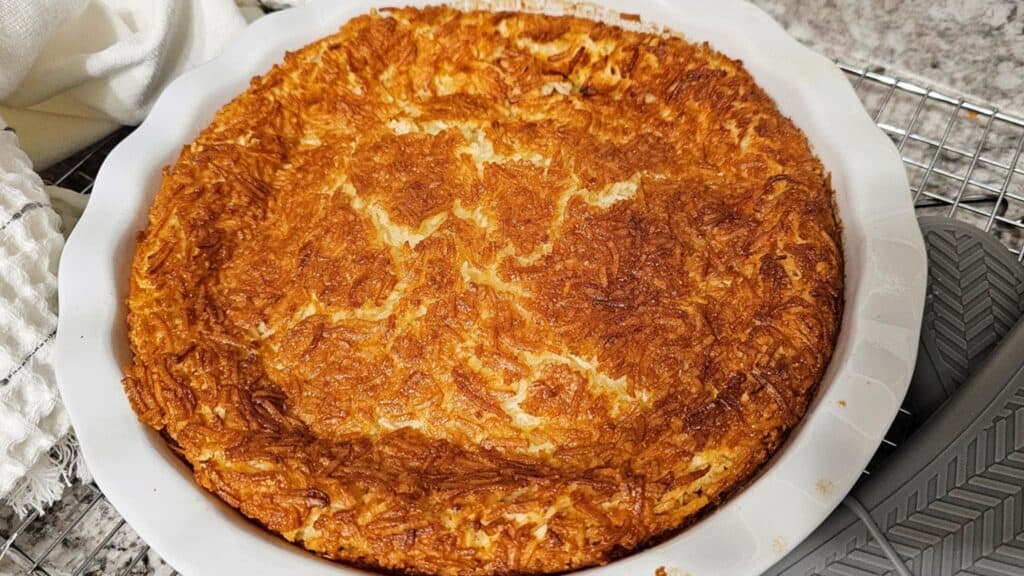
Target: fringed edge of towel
(45, 481)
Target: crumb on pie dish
(471, 292)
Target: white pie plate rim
(804, 482)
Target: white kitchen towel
(72, 70)
(37, 454)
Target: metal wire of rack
(961, 158)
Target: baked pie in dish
(476, 292)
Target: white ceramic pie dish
(856, 402)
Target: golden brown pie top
(472, 292)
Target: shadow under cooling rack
(962, 161)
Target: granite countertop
(973, 48)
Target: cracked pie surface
(485, 293)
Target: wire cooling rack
(962, 160)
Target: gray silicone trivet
(975, 296)
(950, 499)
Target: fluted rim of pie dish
(797, 489)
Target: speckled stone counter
(974, 47)
(60, 542)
